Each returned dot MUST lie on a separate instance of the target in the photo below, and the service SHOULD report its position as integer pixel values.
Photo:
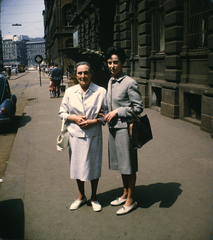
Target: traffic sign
(38, 59)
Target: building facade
(33, 49)
(168, 44)
(14, 49)
(73, 28)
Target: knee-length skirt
(121, 156)
(85, 156)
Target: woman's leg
(129, 188)
(94, 186)
(81, 193)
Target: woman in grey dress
(80, 107)
(123, 94)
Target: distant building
(33, 49)
(1, 54)
(20, 49)
(14, 49)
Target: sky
(25, 12)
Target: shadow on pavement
(25, 120)
(165, 193)
(146, 196)
(12, 219)
(12, 127)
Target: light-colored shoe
(126, 209)
(78, 203)
(118, 201)
(96, 206)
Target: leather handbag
(63, 138)
(140, 131)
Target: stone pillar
(122, 33)
(144, 25)
(174, 42)
(207, 98)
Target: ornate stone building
(169, 45)
(33, 49)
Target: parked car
(32, 68)
(7, 101)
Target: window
(69, 42)
(161, 27)
(68, 15)
(68, 11)
(198, 14)
(192, 106)
(134, 9)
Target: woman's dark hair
(116, 51)
(83, 63)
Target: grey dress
(123, 94)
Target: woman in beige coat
(80, 107)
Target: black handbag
(140, 131)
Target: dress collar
(120, 78)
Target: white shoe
(96, 206)
(126, 209)
(78, 203)
(118, 201)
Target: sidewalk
(174, 182)
(18, 75)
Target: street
(173, 189)
(19, 85)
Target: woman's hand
(76, 119)
(88, 123)
(101, 114)
(83, 122)
(111, 115)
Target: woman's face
(115, 66)
(84, 76)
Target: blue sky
(25, 12)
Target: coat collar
(119, 79)
(90, 88)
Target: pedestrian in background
(8, 73)
(123, 94)
(56, 76)
(80, 107)
(50, 69)
(51, 89)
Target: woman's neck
(118, 75)
(84, 89)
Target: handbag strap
(134, 114)
(62, 125)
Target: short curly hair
(116, 51)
